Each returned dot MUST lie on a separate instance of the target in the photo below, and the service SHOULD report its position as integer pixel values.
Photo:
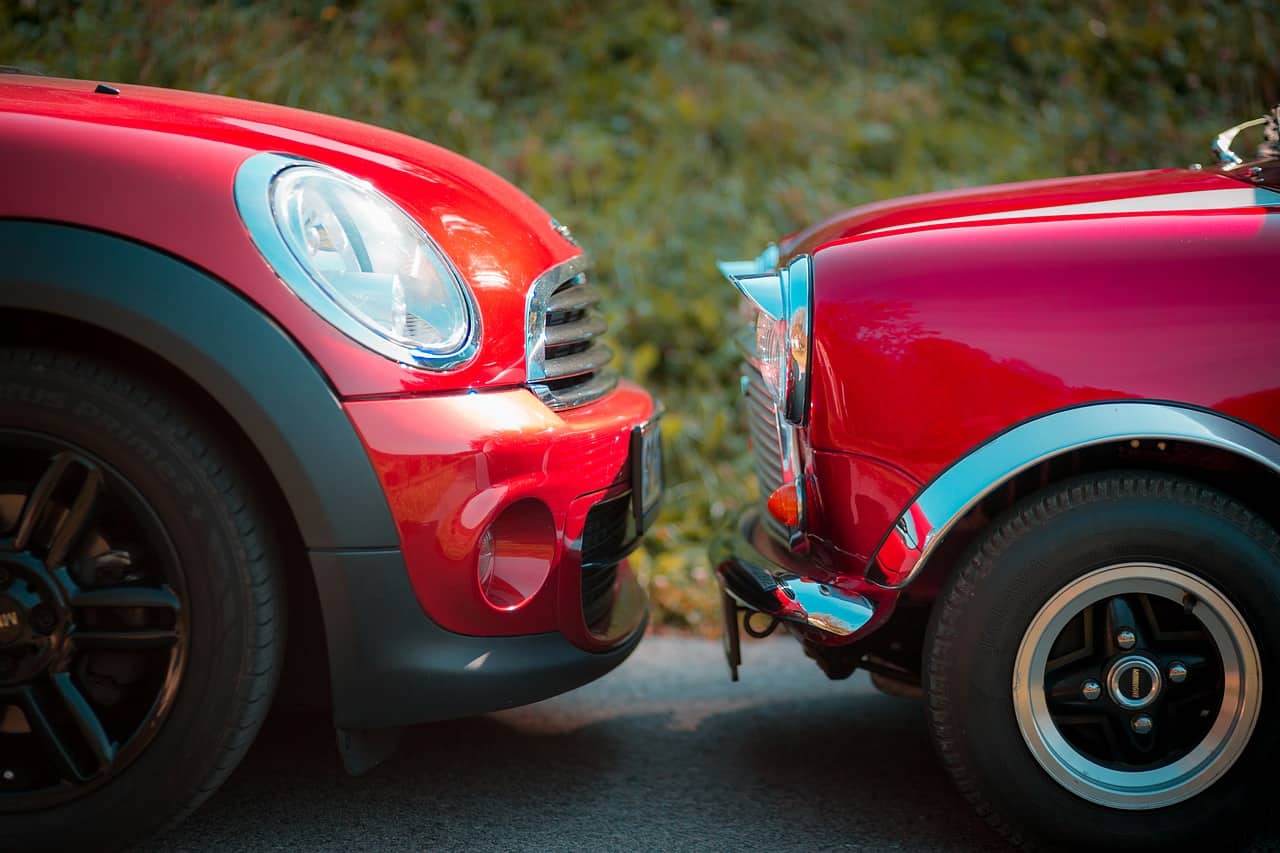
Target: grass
(667, 134)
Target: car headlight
(781, 300)
(358, 260)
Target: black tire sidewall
(1036, 552)
(148, 440)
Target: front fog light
(484, 559)
(514, 554)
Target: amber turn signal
(784, 505)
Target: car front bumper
(455, 466)
(392, 666)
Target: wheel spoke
(85, 717)
(37, 502)
(1122, 616)
(74, 522)
(1113, 740)
(1065, 693)
(43, 721)
(43, 728)
(162, 598)
(125, 640)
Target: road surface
(664, 754)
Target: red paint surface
(451, 464)
(930, 338)
(859, 500)
(158, 167)
(999, 199)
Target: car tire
(142, 570)
(1043, 601)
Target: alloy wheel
(93, 623)
(1137, 686)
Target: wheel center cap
(12, 621)
(1134, 682)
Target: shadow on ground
(664, 754)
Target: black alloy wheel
(141, 604)
(93, 631)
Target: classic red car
(258, 361)
(1019, 448)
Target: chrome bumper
(757, 581)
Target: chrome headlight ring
(379, 305)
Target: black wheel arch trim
(922, 527)
(241, 357)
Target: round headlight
(771, 355)
(354, 255)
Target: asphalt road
(663, 754)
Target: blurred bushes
(668, 134)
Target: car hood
(1161, 189)
(458, 201)
(158, 166)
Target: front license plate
(646, 472)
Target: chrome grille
(568, 364)
(762, 425)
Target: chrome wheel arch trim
(942, 503)
(1192, 773)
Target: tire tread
(973, 570)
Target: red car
(258, 362)
(1019, 448)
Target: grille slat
(584, 363)
(762, 426)
(570, 367)
(573, 298)
(589, 326)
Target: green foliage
(667, 134)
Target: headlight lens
(771, 354)
(371, 259)
(781, 301)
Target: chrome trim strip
(946, 500)
(535, 312)
(252, 193)
(759, 583)
(798, 292)
(765, 290)
(766, 261)
(1199, 200)
(793, 472)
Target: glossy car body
(994, 430)
(121, 229)
(964, 340)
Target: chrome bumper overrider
(758, 582)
